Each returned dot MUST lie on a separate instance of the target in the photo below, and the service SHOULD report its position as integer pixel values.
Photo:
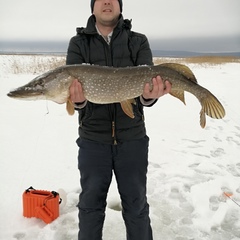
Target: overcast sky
(202, 23)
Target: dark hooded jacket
(107, 123)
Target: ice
(190, 168)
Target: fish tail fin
(211, 107)
(202, 118)
(70, 107)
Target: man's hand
(158, 89)
(76, 92)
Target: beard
(108, 20)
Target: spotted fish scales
(104, 85)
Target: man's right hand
(76, 92)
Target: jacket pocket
(138, 108)
(85, 113)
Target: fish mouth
(28, 95)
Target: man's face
(106, 11)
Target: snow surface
(190, 168)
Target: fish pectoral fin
(70, 107)
(127, 107)
(178, 94)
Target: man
(109, 141)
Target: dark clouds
(183, 25)
(201, 44)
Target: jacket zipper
(113, 133)
(112, 106)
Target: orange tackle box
(41, 204)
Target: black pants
(129, 162)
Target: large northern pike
(109, 85)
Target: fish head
(52, 85)
(35, 90)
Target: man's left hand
(157, 90)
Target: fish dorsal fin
(182, 69)
(127, 107)
(178, 94)
(70, 107)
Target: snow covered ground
(190, 168)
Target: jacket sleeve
(140, 50)
(143, 56)
(74, 55)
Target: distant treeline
(156, 53)
(181, 54)
(60, 48)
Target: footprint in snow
(218, 152)
(115, 205)
(194, 165)
(155, 165)
(234, 170)
(214, 203)
(233, 140)
(19, 236)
